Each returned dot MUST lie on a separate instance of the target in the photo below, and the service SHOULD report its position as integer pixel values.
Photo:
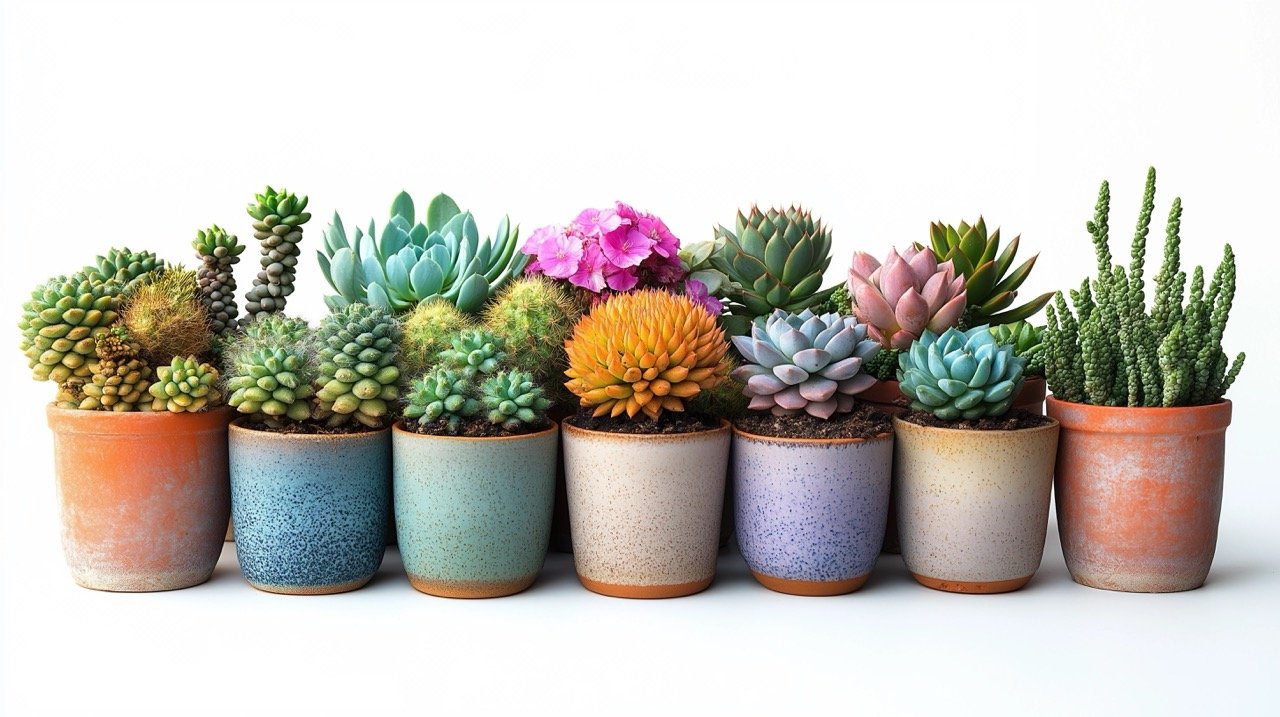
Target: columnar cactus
(442, 394)
(989, 285)
(61, 323)
(513, 400)
(278, 219)
(911, 292)
(802, 362)
(961, 374)
(644, 352)
(359, 377)
(128, 269)
(219, 252)
(121, 378)
(185, 385)
(474, 352)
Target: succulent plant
(428, 330)
(359, 377)
(70, 393)
(533, 316)
(474, 352)
(61, 323)
(804, 362)
(778, 257)
(413, 262)
(121, 378)
(278, 219)
(840, 302)
(644, 352)
(513, 400)
(128, 269)
(272, 384)
(185, 385)
(219, 252)
(990, 287)
(911, 292)
(699, 260)
(275, 329)
(166, 317)
(960, 374)
(1027, 341)
(442, 394)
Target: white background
(137, 124)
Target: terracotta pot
(310, 510)
(973, 506)
(473, 514)
(1139, 493)
(645, 509)
(1031, 397)
(811, 513)
(144, 496)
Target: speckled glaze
(645, 509)
(310, 511)
(473, 514)
(144, 497)
(811, 513)
(1139, 493)
(973, 506)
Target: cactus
(802, 362)
(167, 319)
(1027, 341)
(219, 252)
(644, 352)
(428, 330)
(989, 285)
(70, 393)
(127, 269)
(442, 395)
(275, 329)
(277, 225)
(359, 375)
(513, 400)
(961, 374)
(121, 378)
(1112, 351)
(909, 293)
(271, 384)
(185, 385)
(61, 323)
(533, 316)
(840, 302)
(474, 352)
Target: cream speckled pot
(644, 510)
(973, 506)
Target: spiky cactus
(513, 400)
(533, 316)
(60, 325)
(128, 269)
(185, 385)
(278, 219)
(1112, 351)
(474, 352)
(961, 374)
(166, 319)
(359, 376)
(219, 252)
(428, 330)
(121, 378)
(442, 395)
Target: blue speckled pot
(811, 513)
(310, 511)
(473, 515)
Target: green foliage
(61, 323)
(120, 378)
(840, 302)
(961, 374)
(474, 352)
(128, 269)
(428, 330)
(166, 317)
(278, 217)
(219, 252)
(359, 376)
(270, 367)
(990, 286)
(185, 385)
(514, 401)
(884, 365)
(442, 395)
(1027, 341)
(533, 316)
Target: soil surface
(1011, 421)
(469, 429)
(863, 422)
(311, 429)
(668, 422)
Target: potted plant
(972, 478)
(139, 440)
(645, 478)
(810, 473)
(1139, 392)
(474, 473)
(1027, 341)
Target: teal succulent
(411, 262)
(442, 394)
(278, 218)
(61, 324)
(474, 352)
(1027, 341)
(128, 269)
(359, 376)
(513, 400)
(960, 374)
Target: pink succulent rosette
(909, 293)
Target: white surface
(139, 123)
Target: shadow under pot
(473, 515)
(811, 512)
(310, 510)
(645, 509)
(973, 505)
(144, 497)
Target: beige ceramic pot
(644, 509)
(973, 506)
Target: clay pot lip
(1203, 418)
(236, 427)
(414, 435)
(761, 438)
(136, 423)
(725, 427)
(1054, 426)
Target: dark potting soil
(863, 422)
(1011, 421)
(311, 429)
(468, 429)
(668, 422)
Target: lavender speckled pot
(473, 515)
(973, 506)
(310, 510)
(811, 512)
(645, 509)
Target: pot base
(471, 589)
(974, 588)
(810, 588)
(1140, 583)
(644, 591)
(312, 589)
(141, 583)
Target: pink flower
(590, 274)
(664, 242)
(626, 248)
(627, 212)
(597, 222)
(559, 254)
(697, 293)
(620, 279)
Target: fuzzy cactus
(474, 352)
(990, 286)
(127, 269)
(121, 378)
(804, 362)
(533, 316)
(961, 374)
(359, 376)
(167, 318)
(1027, 341)
(911, 292)
(428, 330)
(277, 225)
(442, 395)
(644, 352)
(185, 385)
(61, 323)
(219, 252)
(513, 400)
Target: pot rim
(237, 427)
(1054, 425)
(135, 423)
(809, 441)
(397, 430)
(724, 427)
(1203, 418)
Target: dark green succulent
(359, 375)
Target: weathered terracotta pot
(144, 496)
(645, 509)
(473, 514)
(310, 510)
(973, 506)
(811, 513)
(1139, 493)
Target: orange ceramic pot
(145, 497)
(1139, 492)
